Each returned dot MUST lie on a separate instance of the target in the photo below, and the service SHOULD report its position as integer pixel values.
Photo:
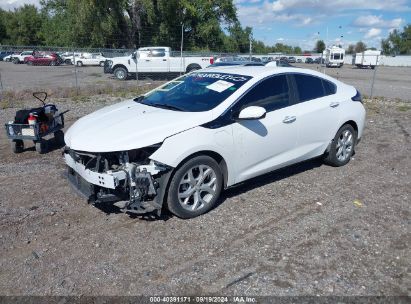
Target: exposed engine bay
(130, 179)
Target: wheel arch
(214, 155)
(193, 66)
(119, 66)
(353, 124)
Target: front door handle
(289, 119)
(334, 104)
(147, 59)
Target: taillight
(211, 60)
(357, 97)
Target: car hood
(129, 125)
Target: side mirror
(252, 112)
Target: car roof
(261, 71)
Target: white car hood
(129, 125)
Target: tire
(193, 67)
(53, 63)
(59, 138)
(372, 67)
(67, 61)
(342, 147)
(30, 63)
(189, 197)
(16, 61)
(17, 146)
(101, 64)
(41, 146)
(120, 73)
(79, 63)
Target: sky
(303, 22)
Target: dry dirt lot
(308, 229)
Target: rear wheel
(79, 63)
(41, 146)
(59, 138)
(102, 63)
(17, 146)
(342, 147)
(195, 187)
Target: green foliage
(360, 47)
(350, 49)
(207, 25)
(319, 46)
(398, 42)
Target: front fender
(177, 148)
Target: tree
(386, 46)
(3, 30)
(23, 26)
(360, 47)
(350, 49)
(319, 46)
(297, 50)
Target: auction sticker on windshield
(220, 86)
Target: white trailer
(334, 57)
(367, 59)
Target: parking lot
(308, 229)
(390, 82)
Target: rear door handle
(334, 104)
(289, 119)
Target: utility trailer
(367, 59)
(47, 121)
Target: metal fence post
(75, 73)
(136, 67)
(373, 78)
(1, 88)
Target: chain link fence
(71, 78)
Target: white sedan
(96, 59)
(181, 144)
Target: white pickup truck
(19, 58)
(153, 60)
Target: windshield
(196, 92)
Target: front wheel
(79, 63)
(342, 147)
(41, 146)
(195, 187)
(120, 73)
(101, 63)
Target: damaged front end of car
(128, 179)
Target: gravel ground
(308, 229)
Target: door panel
(269, 143)
(319, 113)
(266, 144)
